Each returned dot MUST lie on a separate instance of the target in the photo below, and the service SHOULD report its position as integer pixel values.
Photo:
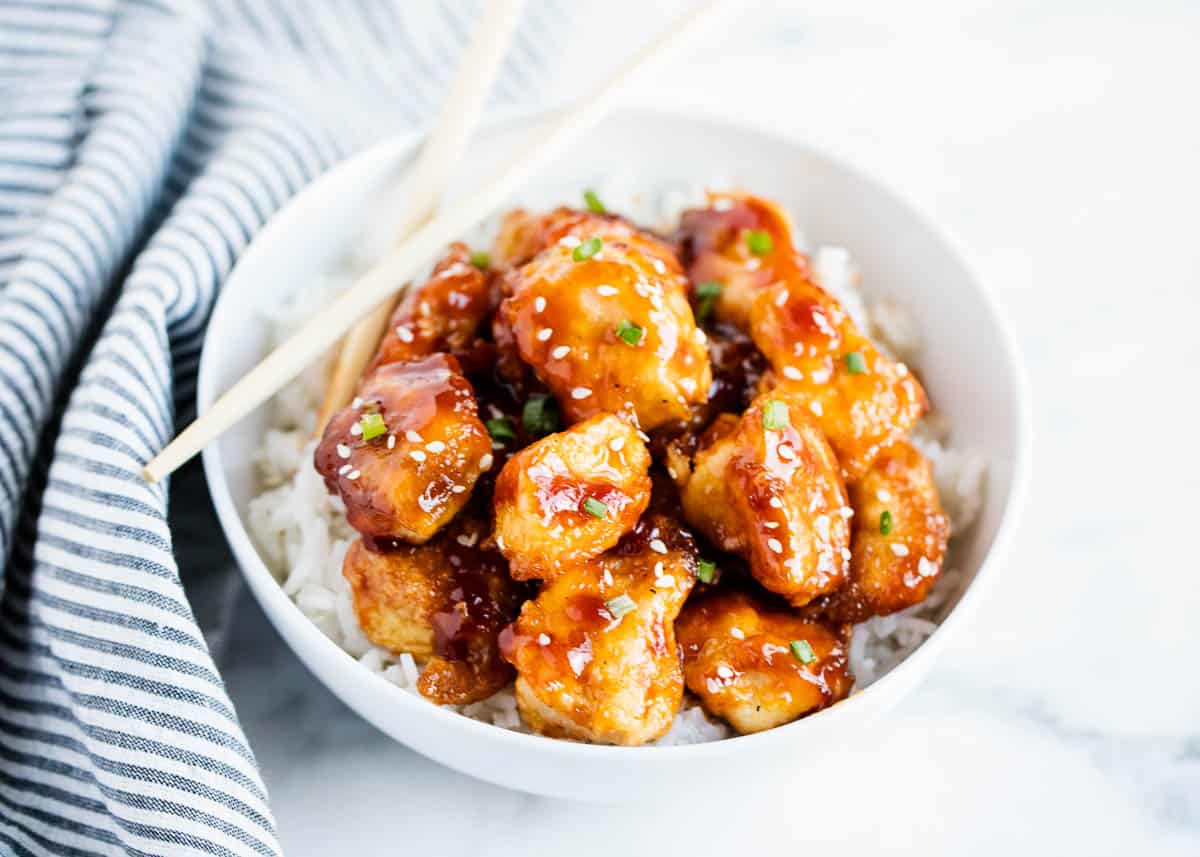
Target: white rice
(303, 535)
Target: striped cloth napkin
(142, 145)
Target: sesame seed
(606, 291)
(436, 446)
(846, 554)
(724, 672)
(560, 352)
(782, 298)
(412, 437)
(539, 303)
(792, 373)
(816, 408)
(485, 463)
(356, 429)
(753, 265)
(821, 525)
(689, 385)
(616, 444)
(391, 441)
(404, 333)
(570, 241)
(645, 437)
(737, 633)
(776, 503)
(658, 546)
(543, 639)
(771, 525)
(901, 369)
(665, 581)
(820, 376)
(883, 496)
(899, 549)
(846, 512)
(417, 455)
(457, 489)
(785, 452)
(544, 334)
(580, 393)
(775, 545)
(659, 266)
(658, 569)
(701, 337)
(344, 469)
(357, 403)
(354, 474)
(926, 568)
(467, 539)
(343, 451)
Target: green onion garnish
(759, 242)
(540, 415)
(629, 332)
(775, 415)
(587, 249)
(803, 651)
(594, 507)
(481, 259)
(708, 293)
(372, 425)
(501, 429)
(856, 363)
(885, 523)
(595, 206)
(704, 571)
(620, 605)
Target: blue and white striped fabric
(142, 144)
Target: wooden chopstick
(324, 329)
(440, 153)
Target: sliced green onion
(803, 651)
(540, 416)
(595, 206)
(856, 363)
(372, 425)
(629, 332)
(594, 507)
(885, 523)
(775, 415)
(708, 293)
(759, 242)
(704, 571)
(481, 259)
(587, 249)
(501, 429)
(620, 605)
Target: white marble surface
(1060, 143)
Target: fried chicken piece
(758, 666)
(595, 652)
(602, 317)
(863, 400)
(899, 539)
(410, 478)
(766, 486)
(444, 602)
(742, 242)
(571, 496)
(442, 314)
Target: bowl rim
(272, 598)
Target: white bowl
(968, 364)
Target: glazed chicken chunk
(863, 400)
(571, 496)
(444, 602)
(766, 486)
(899, 539)
(595, 652)
(742, 244)
(442, 314)
(758, 666)
(406, 453)
(602, 317)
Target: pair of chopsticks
(367, 304)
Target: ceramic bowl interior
(967, 363)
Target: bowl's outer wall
(967, 364)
